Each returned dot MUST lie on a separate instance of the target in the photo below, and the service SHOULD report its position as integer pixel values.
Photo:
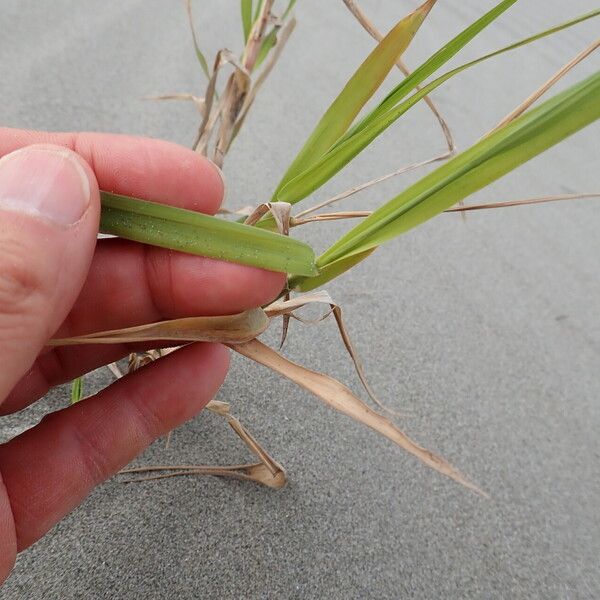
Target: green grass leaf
(246, 9)
(327, 273)
(342, 153)
(195, 233)
(431, 65)
(257, 10)
(267, 44)
(201, 58)
(270, 39)
(76, 390)
(489, 159)
(361, 86)
(288, 9)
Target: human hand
(56, 280)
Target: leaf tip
(424, 9)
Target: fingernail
(44, 182)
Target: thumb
(49, 212)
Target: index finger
(134, 166)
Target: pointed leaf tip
(340, 398)
(359, 89)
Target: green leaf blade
(431, 65)
(361, 86)
(483, 163)
(246, 10)
(327, 273)
(199, 55)
(343, 152)
(77, 390)
(195, 233)
(266, 46)
(257, 10)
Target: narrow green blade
(246, 9)
(265, 47)
(361, 86)
(288, 9)
(76, 390)
(341, 154)
(486, 161)
(199, 55)
(201, 60)
(257, 10)
(431, 65)
(270, 39)
(195, 233)
(327, 273)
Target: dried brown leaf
(338, 396)
(242, 212)
(348, 214)
(541, 200)
(364, 186)
(231, 329)
(274, 468)
(256, 36)
(237, 89)
(218, 407)
(257, 473)
(287, 307)
(519, 110)
(199, 102)
(280, 212)
(222, 58)
(267, 472)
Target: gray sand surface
(485, 333)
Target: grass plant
(262, 235)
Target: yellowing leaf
(361, 86)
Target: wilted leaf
(231, 329)
(211, 116)
(288, 307)
(525, 202)
(267, 472)
(257, 473)
(273, 57)
(280, 212)
(338, 396)
(198, 102)
(363, 186)
(547, 85)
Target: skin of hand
(56, 279)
